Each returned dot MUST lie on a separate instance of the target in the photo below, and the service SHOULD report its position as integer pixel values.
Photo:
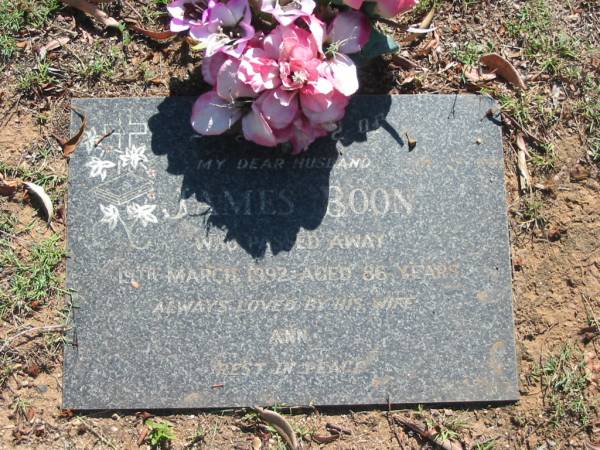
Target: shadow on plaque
(259, 197)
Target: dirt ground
(555, 224)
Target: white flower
(110, 215)
(143, 213)
(98, 167)
(133, 156)
(89, 139)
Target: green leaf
(377, 45)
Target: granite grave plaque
(208, 272)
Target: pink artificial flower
(218, 110)
(256, 128)
(348, 33)
(229, 86)
(188, 14)
(384, 8)
(324, 108)
(287, 11)
(301, 133)
(299, 58)
(258, 70)
(391, 8)
(299, 91)
(279, 107)
(226, 27)
(212, 115)
(211, 65)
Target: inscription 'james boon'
(341, 202)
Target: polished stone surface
(210, 273)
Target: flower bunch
(284, 69)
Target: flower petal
(229, 85)
(323, 108)
(256, 129)
(177, 25)
(211, 115)
(355, 4)
(258, 70)
(176, 8)
(391, 8)
(279, 107)
(222, 15)
(317, 28)
(343, 74)
(210, 67)
(349, 31)
(288, 13)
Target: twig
(422, 431)
(391, 424)
(523, 129)
(15, 237)
(99, 435)
(38, 330)
(13, 110)
(524, 177)
(136, 12)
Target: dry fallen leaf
(427, 19)
(156, 35)
(524, 177)
(8, 187)
(30, 413)
(67, 413)
(39, 192)
(591, 445)
(52, 45)
(256, 443)
(503, 68)
(325, 439)
(93, 11)
(71, 144)
(555, 233)
(32, 369)
(280, 424)
(404, 62)
(145, 415)
(425, 23)
(579, 173)
(143, 434)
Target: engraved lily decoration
(142, 213)
(134, 156)
(110, 216)
(99, 167)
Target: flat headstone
(208, 272)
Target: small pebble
(42, 388)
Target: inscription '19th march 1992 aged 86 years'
(360, 271)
